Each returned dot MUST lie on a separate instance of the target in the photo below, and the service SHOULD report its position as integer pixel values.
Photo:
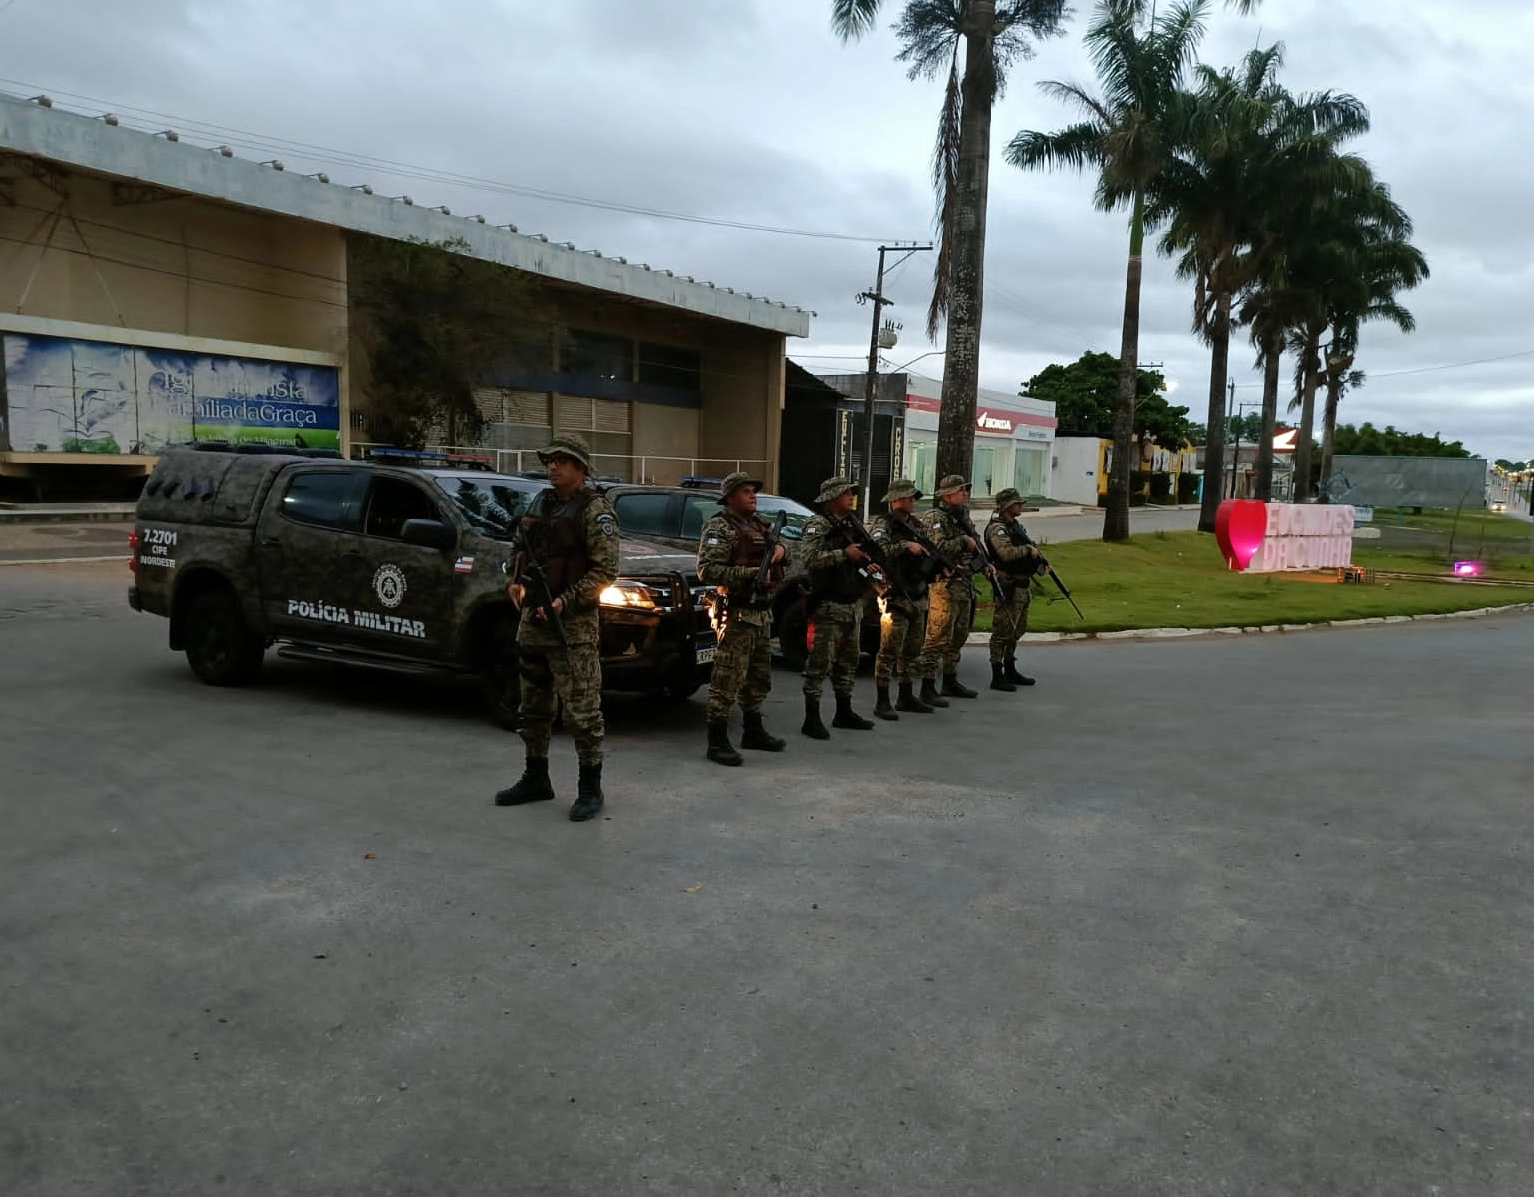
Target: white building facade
(1014, 440)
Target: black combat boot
(534, 785)
(756, 734)
(588, 793)
(720, 750)
(846, 717)
(999, 679)
(954, 688)
(909, 702)
(1016, 678)
(929, 695)
(813, 727)
(882, 708)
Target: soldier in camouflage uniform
(572, 533)
(841, 574)
(951, 602)
(1016, 558)
(904, 626)
(731, 550)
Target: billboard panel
(73, 396)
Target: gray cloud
(751, 110)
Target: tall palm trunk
(1272, 358)
(1336, 370)
(1116, 518)
(1214, 450)
(966, 235)
(1310, 366)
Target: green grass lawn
(1179, 579)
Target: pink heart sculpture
(1240, 527)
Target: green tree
(992, 34)
(1368, 441)
(1085, 395)
(1124, 138)
(1244, 147)
(432, 322)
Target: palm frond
(929, 32)
(945, 181)
(851, 19)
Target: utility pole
(876, 297)
(1230, 412)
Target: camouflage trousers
(835, 628)
(1009, 621)
(573, 675)
(901, 634)
(947, 628)
(742, 666)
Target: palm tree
(992, 33)
(1245, 147)
(1123, 137)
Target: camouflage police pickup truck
(381, 566)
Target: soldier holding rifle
(913, 563)
(740, 554)
(838, 554)
(569, 556)
(952, 602)
(1017, 560)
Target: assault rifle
(761, 585)
(980, 563)
(885, 567)
(538, 594)
(934, 563)
(1041, 566)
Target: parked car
(391, 567)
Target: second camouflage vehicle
(384, 566)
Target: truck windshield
(490, 504)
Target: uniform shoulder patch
(607, 524)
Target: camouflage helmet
(737, 479)
(950, 485)
(570, 445)
(1007, 498)
(834, 488)
(901, 488)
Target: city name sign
(1258, 537)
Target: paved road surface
(1232, 916)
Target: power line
(1479, 361)
(309, 151)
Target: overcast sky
(750, 111)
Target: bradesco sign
(1265, 538)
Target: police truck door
(401, 594)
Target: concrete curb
(65, 514)
(1031, 638)
(118, 557)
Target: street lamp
(917, 358)
(1235, 456)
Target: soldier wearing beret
(841, 575)
(1016, 557)
(731, 551)
(572, 534)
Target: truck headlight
(627, 594)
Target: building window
(923, 458)
(606, 424)
(1028, 472)
(517, 419)
(667, 366)
(597, 355)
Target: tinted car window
(796, 515)
(392, 501)
(644, 515)
(491, 505)
(318, 499)
(697, 510)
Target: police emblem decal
(389, 585)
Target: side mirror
(431, 533)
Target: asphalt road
(1231, 916)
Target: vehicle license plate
(705, 655)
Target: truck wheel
(793, 636)
(221, 650)
(499, 679)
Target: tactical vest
(907, 566)
(750, 547)
(840, 583)
(1019, 570)
(558, 537)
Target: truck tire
(793, 636)
(221, 650)
(500, 681)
